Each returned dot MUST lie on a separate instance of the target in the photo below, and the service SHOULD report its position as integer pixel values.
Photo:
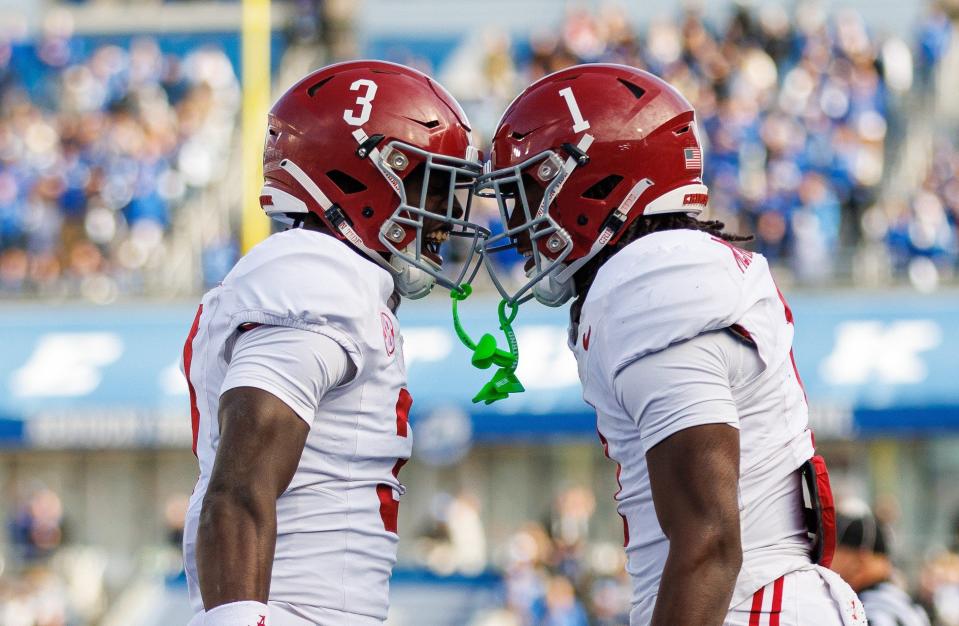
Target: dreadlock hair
(644, 225)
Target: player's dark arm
(261, 440)
(694, 476)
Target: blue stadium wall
(80, 377)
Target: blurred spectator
(455, 540)
(935, 33)
(939, 587)
(36, 529)
(35, 599)
(174, 518)
(562, 607)
(862, 559)
(939, 581)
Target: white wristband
(246, 613)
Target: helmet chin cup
(410, 281)
(551, 292)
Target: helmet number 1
(365, 102)
(579, 124)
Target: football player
(295, 362)
(683, 345)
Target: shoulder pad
(668, 287)
(306, 279)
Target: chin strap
(486, 352)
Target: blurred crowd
(100, 144)
(555, 573)
(918, 230)
(803, 115)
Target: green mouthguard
(486, 353)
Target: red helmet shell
(312, 125)
(641, 128)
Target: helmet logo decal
(364, 101)
(579, 124)
(389, 334)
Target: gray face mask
(414, 272)
(533, 223)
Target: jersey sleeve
(684, 385)
(297, 366)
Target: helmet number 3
(579, 124)
(364, 101)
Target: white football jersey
(336, 522)
(655, 305)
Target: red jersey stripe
(757, 608)
(403, 404)
(619, 471)
(777, 602)
(187, 363)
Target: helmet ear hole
(634, 89)
(602, 189)
(312, 89)
(346, 183)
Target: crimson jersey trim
(187, 364)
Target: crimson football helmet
(576, 158)
(382, 154)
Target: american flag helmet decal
(693, 157)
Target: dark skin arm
(694, 476)
(261, 440)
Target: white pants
(282, 614)
(813, 596)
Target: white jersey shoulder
(670, 286)
(309, 280)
